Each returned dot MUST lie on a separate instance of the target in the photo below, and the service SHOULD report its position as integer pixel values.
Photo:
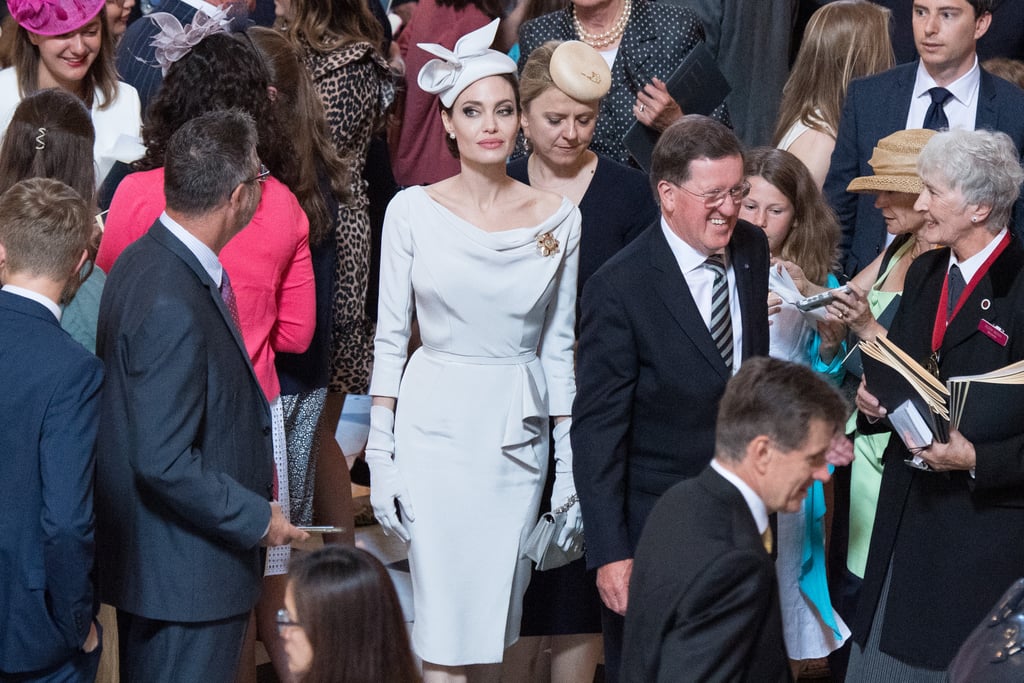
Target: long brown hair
(298, 104)
(325, 25)
(102, 75)
(347, 605)
(50, 136)
(844, 40)
(813, 239)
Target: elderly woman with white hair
(947, 540)
(458, 445)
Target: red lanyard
(941, 319)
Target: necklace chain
(609, 37)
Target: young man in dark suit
(184, 457)
(650, 368)
(704, 598)
(946, 34)
(50, 404)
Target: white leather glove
(387, 490)
(571, 534)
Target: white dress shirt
(701, 280)
(961, 109)
(754, 502)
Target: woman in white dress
(458, 445)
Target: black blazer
(875, 107)
(185, 453)
(703, 597)
(50, 404)
(954, 542)
(649, 379)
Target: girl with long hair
(844, 40)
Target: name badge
(993, 332)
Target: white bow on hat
(456, 69)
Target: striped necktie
(721, 321)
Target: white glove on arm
(565, 488)
(387, 490)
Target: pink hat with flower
(53, 17)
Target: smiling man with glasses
(664, 325)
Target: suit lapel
(902, 94)
(744, 290)
(162, 235)
(987, 115)
(675, 294)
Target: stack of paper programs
(984, 407)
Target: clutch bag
(540, 545)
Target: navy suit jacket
(649, 379)
(875, 107)
(703, 597)
(136, 58)
(50, 404)
(185, 454)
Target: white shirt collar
(207, 259)
(969, 267)
(50, 304)
(687, 257)
(754, 502)
(964, 89)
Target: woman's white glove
(387, 490)
(571, 535)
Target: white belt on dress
(437, 354)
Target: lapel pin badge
(986, 304)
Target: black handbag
(994, 652)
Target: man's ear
(235, 198)
(981, 25)
(666, 197)
(81, 262)
(3, 262)
(759, 453)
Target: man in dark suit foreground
(50, 404)
(184, 457)
(657, 347)
(703, 600)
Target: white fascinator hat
(471, 60)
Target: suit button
(266, 431)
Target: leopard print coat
(356, 88)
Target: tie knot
(940, 95)
(716, 262)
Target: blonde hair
(844, 40)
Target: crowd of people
(212, 232)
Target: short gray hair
(984, 165)
(206, 159)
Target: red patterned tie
(227, 293)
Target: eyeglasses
(284, 620)
(716, 198)
(260, 177)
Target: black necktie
(956, 286)
(936, 119)
(721, 319)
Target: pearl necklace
(609, 37)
